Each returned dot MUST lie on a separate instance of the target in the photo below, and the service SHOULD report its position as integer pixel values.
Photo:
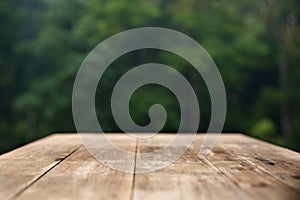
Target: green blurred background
(255, 45)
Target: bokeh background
(255, 45)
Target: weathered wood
(283, 164)
(239, 167)
(81, 176)
(187, 178)
(256, 183)
(21, 168)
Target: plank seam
(134, 170)
(18, 194)
(262, 169)
(240, 189)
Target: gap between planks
(212, 161)
(134, 170)
(261, 181)
(19, 193)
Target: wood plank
(22, 167)
(54, 146)
(187, 178)
(239, 167)
(281, 163)
(256, 182)
(81, 176)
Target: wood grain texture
(239, 167)
(81, 176)
(187, 178)
(20, 168)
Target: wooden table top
(239, 167)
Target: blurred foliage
(254, 44)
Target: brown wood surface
(239, 167)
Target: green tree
(255, 46)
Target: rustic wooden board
(81, 176)
(239, 167)
(21, 168)
(187, 178)
(283, 164)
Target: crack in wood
(269, 162)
